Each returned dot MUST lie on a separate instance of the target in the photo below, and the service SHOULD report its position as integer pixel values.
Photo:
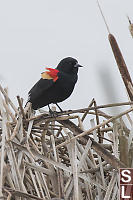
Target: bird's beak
(80, 65)
(77, 65)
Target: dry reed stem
(85, 114)
(46, 116)
(21, 107)
(97, 121)
(8, 99)
(110, 187)
(99, 158)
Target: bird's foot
(53, 113)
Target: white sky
(35, 34)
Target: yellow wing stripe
(44, 75)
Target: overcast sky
(35, 34)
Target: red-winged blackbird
(56, 85)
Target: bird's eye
(76, 64)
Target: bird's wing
(39, 88)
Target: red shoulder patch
(53, 73)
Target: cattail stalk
(121, 65)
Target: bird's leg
(59, 107)
(52, 113)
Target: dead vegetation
(44, 157)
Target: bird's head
(68, 65)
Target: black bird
(56, 85)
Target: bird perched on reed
(55, 85)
